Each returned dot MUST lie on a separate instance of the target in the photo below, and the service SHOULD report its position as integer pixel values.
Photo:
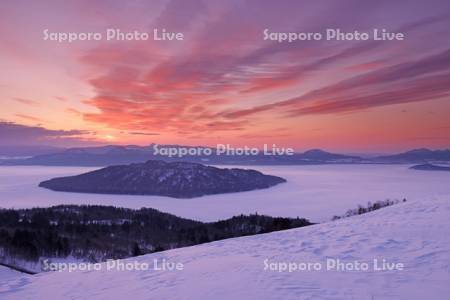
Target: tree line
(96, 233)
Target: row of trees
(370, 207)
(97, 233)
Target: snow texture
(415, 233)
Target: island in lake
(175, 179)
(430, 167)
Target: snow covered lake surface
(414, 234)
(314, 192)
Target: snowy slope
(416, 234)
(8, 274)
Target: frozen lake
(314, 192)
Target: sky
(223, 83)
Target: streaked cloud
(29, 118)
(224, 82)
(18, 134)
(26, 101)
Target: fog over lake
(314, 192)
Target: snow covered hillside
(8, 274)
(414, 235)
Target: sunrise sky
(223, 83)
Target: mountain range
(422, 155)
(117, 154)
(114, 154)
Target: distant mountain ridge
(318, 154)
(422, 155)
(176, 179)
(112, 155)
(118, 154)
(26, 151)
